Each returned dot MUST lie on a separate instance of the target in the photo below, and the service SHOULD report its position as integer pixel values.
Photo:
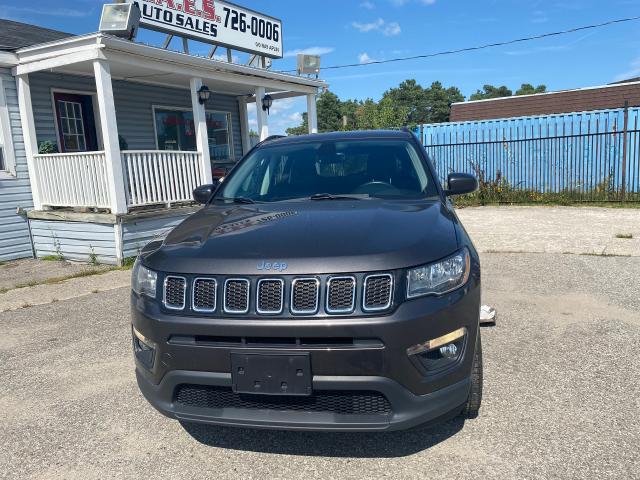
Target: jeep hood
(330, 236)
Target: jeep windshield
(330, 170)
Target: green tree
(409, 96)
(489, 91)
(440, 100)
(349, 110)
(528, 89)
(302, 129)
(329, 112)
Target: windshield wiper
(243, 200)
(328, 196)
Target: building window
(175, 130)
(75, 122)
(7, 158)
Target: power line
(482, 47)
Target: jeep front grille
(175, 289)
(341, 294)
(204, 295)
(305, 293)
(356, 294)
(236, 295)
(270, 297)
(377, 292)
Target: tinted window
(379, 168)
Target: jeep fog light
(143, 348)
(440, 353)
(437, 342)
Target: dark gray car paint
(317, 238)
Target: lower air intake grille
(204, 295)
(377, 292)
(338, 402)
(341, 295)
(270, 296)
(236, 296)
(304, 295)
(174, 292)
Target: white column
(109, 126)
(29, 136)
(312, 113)
(263, 118)
(244, 125)
(202, 135)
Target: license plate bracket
(265, 374)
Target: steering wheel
(373, 187)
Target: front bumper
(409, 410)
(377, 361)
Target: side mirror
(203, 193)
(461, 183)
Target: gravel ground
(561, 394)
(21, 272)
(577, 230)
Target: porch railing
(73, 179)
(160, 177)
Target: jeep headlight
(143, 280)
(440, 277)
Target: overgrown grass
(52, 258)
(499, 191)
(56, 280)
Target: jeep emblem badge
(274, 266)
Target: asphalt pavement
(561, 397)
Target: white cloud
(634, 71)
(400, 3)
(364, 58)
(368, 5)
(386, 28)
(284, 113)
(309, 51)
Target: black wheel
(472, 408)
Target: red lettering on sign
(190, 7)
(209, 9)
(170, 4)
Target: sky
(359, 31)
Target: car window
(378, 168)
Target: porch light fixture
(267, 102)
(203, 94)
(120, 19)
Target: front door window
(72, 124)
(76, 127)
(175, 130)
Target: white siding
(14, 192)
(74, 240)
(136, 235)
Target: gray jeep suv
(326, 284)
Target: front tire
(472, 407)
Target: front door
(76, 123)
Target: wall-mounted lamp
(203, 94)
(267, 102)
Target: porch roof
(148, 64)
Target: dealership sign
(219, 23)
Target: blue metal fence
(586, 156)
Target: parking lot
(561, 393)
